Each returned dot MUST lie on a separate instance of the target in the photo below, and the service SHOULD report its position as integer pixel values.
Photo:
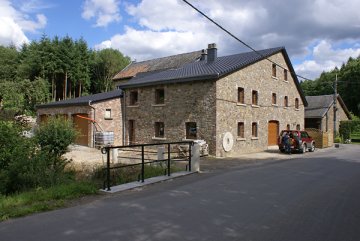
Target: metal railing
(174, 152)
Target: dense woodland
(348, 84)
(54, 69)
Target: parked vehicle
(300, 141)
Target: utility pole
(335, 101)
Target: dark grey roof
(204, 70)
(168, 62)
(319, 105)
(84, 100)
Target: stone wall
(340, 116)
(255, 77)
(114, 124)
(184, 102)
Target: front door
(273, 132)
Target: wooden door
(82, 126)
(273, 133)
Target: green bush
(27, 163)
(349, 127)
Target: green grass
(132, 174)
(39, 200)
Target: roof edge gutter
(173, 81)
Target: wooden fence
(322, 139)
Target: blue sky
(318, 34)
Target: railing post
(168, 160)
(142, 164)
(108, 167)
(190, 156)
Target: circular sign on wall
(228, 141)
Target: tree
(105, 64)
(9, 58)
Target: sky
(317, 34)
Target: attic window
(255, 97)
(159, 96)
(285, 75)
(286, 101)
(296, 103)
(273, 100)
(274, 70)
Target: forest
(348, 84)
(54, 69)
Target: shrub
(54, 137)
(27, 163)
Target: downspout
(123, 105)
(93, 126)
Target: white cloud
(142, 45)
(167, 26)
(325, 58)
(105, 11)
(15, 23)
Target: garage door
(82, 126)
(273, 133)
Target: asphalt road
(315, 197)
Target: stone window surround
(256, 92)
(159, 94)
(274, 99)
(241, 96)
(107, 115)
(240, 131)
(132, 100)
(256, 136)
(296, 103)
(159, 129)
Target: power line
(232, 35)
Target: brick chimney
(211, 53)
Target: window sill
(274, 77)
(286, 81)
(240, 104)
(133, 106)
(297, 109)
(157, 105)
(254, 138)
(241, 139)
(159, 138)
(275, 105)
(188, 139)
(285, 107)
(255, 106)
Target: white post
(195, 158)
(161, 153)
(114, 155)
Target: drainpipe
(93, 127)
(123, 105)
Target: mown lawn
(39, 200)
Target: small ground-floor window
(191, 130)
(254, 129)
(159, 129)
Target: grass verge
(39, 200)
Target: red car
(299, 141)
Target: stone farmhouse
(90, 114)
(319, 114)
(236, 103)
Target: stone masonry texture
(213, 106)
